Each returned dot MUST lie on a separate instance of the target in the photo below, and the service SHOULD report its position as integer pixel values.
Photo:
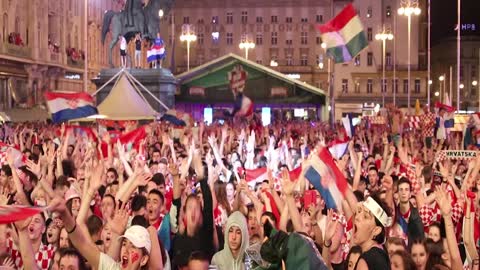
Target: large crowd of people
(157, 196)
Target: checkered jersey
(431, 215)
(42, 257)
(409, 172)
(428, 124)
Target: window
(259, 19)
(357, 60)
(369, 86)
(369, 12)
(304, 38)
(344, 86)
(304, 20)
(384, 85)
(215, 38)
(244, 16)
(289, 60)
(289, 42)
(200, 21)
(369, 59)
(369, 34)
(289, 20)
(229, 38)
(304, 60)
(389, 12)
(461, 72)
(274, 19)
(259, 39)
(357, 87)
(405, 86)
(259, 61)
(5, 27)
(388, 59)
(274, 38)
(319, 19)
(200, 39)
(417, 86)
(229, 17)
(473, 90)
(395, 86)
(473, 72)
(186, 20)
(215, 20)
(318, 40)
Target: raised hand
(331, 226)
(33, 167)
(119, 222)
(443, 201)
(8, 264)
(287, 185)
(4, 196)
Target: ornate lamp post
(409, 8)
(188, 36)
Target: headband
(378, 212)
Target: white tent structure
(125, 100)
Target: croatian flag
(67, 106)
(157, 51)
(325, 176)
(348, 125)
(18, 158)
(449, 116)
(338, 147)
(253, 176)
(243, 106)
(12, 213)
(177, 118)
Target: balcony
(15, 51)
(75, 64)
(294, 69)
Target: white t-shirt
(123, 44)
(107, 263)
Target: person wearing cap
(237, 239)
(136, 245)
(73, 201)
(369, 232)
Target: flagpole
(451, 85)
(458, 54)
(85, 44)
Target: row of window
(258, 19)
(274, 18)
(384, 86)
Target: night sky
(444, 18)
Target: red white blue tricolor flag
(344, 35)
(157, 51)
(325, 176)
(68, 106)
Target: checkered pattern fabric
(413, 121)
(408, 171)
(428, 124)
(377, 120)
(431, 215)
(42, 257)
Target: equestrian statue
(133, 19)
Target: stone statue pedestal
(161, 83)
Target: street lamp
(409, 8)
(160, 13)
(189, 36)
(442, 89)
(384, 36)
(474, 83)
(273, 63)
(461, 86)
(246, 45)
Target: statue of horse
(145, 21)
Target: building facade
(42, 48)
(285, 33)
(444, 58)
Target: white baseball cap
(139, 237)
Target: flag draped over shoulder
(344, 35)
(68, 106)
(18, 158)
(325, 176)
(12, 213)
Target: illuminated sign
(293, 76)
(469, 27)
(72, 76)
